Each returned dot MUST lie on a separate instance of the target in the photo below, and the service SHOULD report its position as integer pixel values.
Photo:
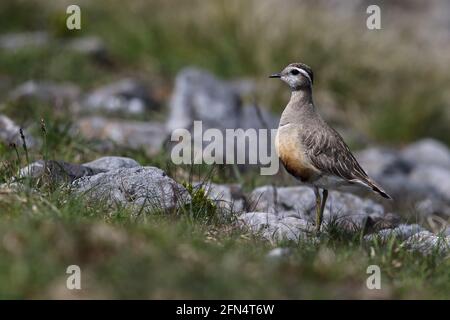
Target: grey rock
(10, 133)
(126, 96)
(148, 136)
(390, 170)
(417, 175)
(21, 40)
(244, 87)
(254, 116)
(428, 152)
(352, 208)
(57, 171)
(436, 179)
(139, 188)
(228, 197)
(257, 221)
(277, 253)
(270, 199)
(89, 45)
(111, 163)
(447, 231)
(344, 207)
(402, 188)
(432, 206)
(401, 232)
(60, 171)
(46, 91)
(274, 227)
(199, 96)
(378, 162)
(375, 223)
(427, 243)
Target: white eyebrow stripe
(303, 72)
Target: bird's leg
(322, 206)
(318, 208)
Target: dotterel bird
(310, 149)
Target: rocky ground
(275, 213)
(417, 175)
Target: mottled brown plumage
(328, 152)
(309, 148)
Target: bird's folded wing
(328, 152)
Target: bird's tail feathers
(376, 188)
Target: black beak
(275, 75)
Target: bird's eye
(295, 72)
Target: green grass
(154, 256)
(52, 64)
(188, 253)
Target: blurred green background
(391, 85)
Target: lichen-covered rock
(436, 179)
(139, 188)
(271, 199)
(344, 207)
(10, 133)
(91, 46)
(111, 163)
(254, 116)
(378, 162)
(427, 243)
(432, 206)
(276, 227)
(428, 152)
(390, 170)
(419, 174)
(148, 136)
(277, 253)
(126, 96)
(20, 40)
(404, 189)
(401, 232)
(60, 171)
(447, 231)
(57, 171)
(199, 96)
(46, 92)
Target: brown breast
(292, 156)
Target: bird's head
(297, 75)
